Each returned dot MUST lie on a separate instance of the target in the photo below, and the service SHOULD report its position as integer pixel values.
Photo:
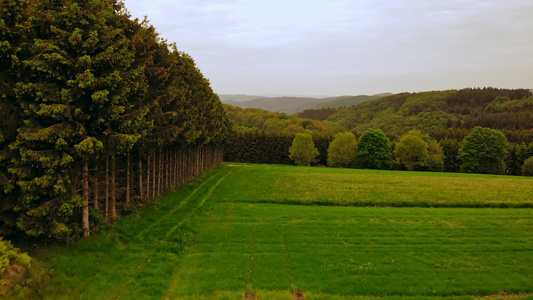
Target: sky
(349, 47)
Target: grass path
(237, 231)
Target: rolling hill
(427, 111)
(346, 101)
(292, 105)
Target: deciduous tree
(374, 150)
(303, 151)
(341, 151)
(484, 151)
(411, 149)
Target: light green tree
(411, 150)
(303, 151)
(341, 151)
(374, 150)
(484, 151)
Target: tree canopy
(374, 150)
(341, 151)
(484, 151)
(303, 151)
(82, 81)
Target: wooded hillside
(426, 111)
(245, 119)
(96, 110)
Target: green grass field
(241, 232)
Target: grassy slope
(216, 239)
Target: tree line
(480, 150)
(98, 114)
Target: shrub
(20, 278)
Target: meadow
(281, 232)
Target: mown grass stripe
(177, 207)
(200, 204)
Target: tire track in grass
(290, 271)
(172, 287)
(143, 255)
(146, 256)
(202, 202)
(182, 203)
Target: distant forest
(427, 111)
(446, 116)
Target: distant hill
(292, 105)
(229, 98)
(346, 101)
(396, 114)
(289, 105)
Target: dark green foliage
(484, 151)
(303, 151)
(374, 150)
(527, 168)
(317, 114)
(450, 150)
(258, 147)
(83, 84)
(516, 155)
(322, 144)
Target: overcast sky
(349, 47)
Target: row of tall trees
(88, 94)
(483, 150)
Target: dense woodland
(245, 119)
(444, 116)
(98, 115)
(501, 109)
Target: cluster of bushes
(84, 85)
(483, 150)
(20, 276)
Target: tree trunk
(140, 178)
(96, 187)
(128, 180)
(113, 202)
(85, 207)
(148, 179)
(106, 190)
(153, 178)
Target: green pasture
(331, 186)
(238, 233)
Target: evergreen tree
(374, 150)
(79, 96)
(303, 151)
(15, 40)
(484, 151)
(341, 151)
